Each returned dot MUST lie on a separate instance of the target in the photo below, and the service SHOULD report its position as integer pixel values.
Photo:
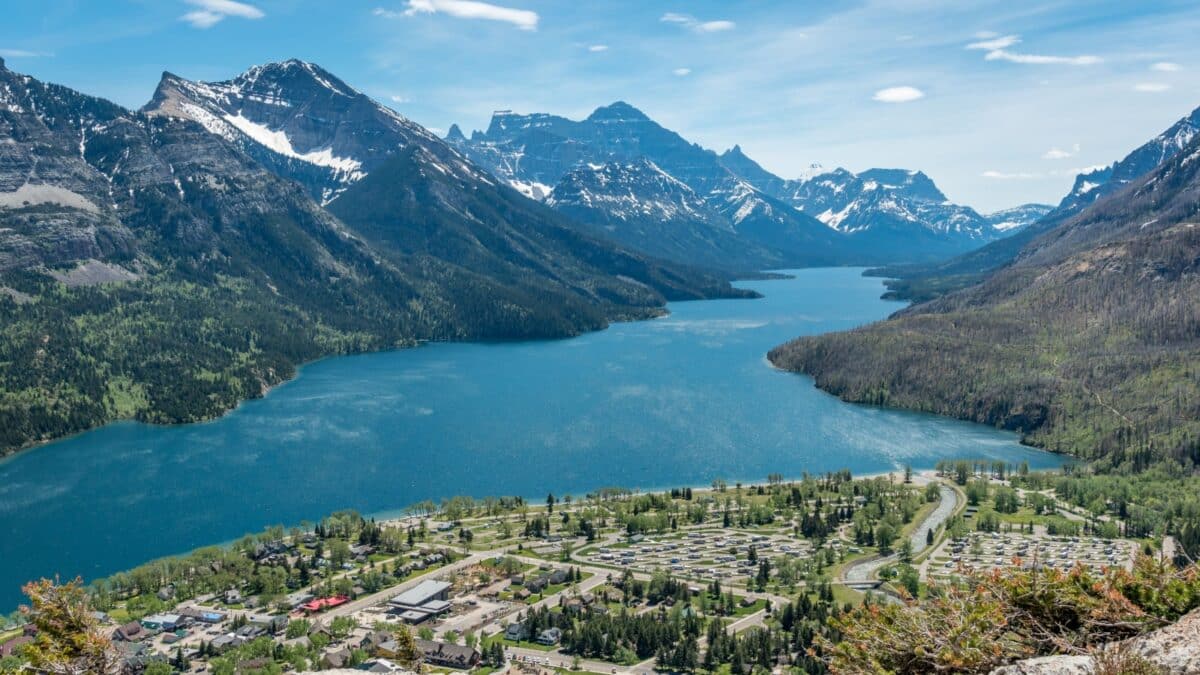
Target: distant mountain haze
(834, 217)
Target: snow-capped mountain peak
(302, 121)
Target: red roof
(321, 604)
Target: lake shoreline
(645, 405)
(268, 387)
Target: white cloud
(20, 54)
(1020, 175)
(1042, 60)
(689, 21)
(397, 98)
(898, 95)
(682, 72)
(1151, 87)
(997, 50)
(1036, 175)
(1166, 67)
(468, 9)
(995, 42)
(715, 26)
(212, 12)
(1058, 153)
(598, 48)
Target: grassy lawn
(923, 512)
(524, 644)
(741, 611)
(843, 595)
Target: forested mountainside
(1089, 343)
(151, 269)
(594, 169)
(926, 281)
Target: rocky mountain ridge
(299, 120)
(153, 267)
(925, 281)
(1072, 343)
(881, 214)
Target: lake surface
(676, 401)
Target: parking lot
(985, 551)
(708, 555)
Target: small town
(614, 582)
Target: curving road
(863, 571)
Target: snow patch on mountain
(277, 141)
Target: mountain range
(926, 281)
(1085, 341)
(611, 171)
(164, 264)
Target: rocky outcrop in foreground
(1175, 649)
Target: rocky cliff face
(1018, 217)
(642, 205)
(198, 268)
(880, 215)
(1174, 649)
(55, 208)
(1089, 188)
(297, 119)
(896, 209)
(1092, 186)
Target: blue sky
(1000, 102)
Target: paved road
(864, 571)
(367, 601)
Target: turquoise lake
(677, 401)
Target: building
(382, 666)
(448, 655)
(515, 632)
(337, 659)
(223, 643)
(298, 598)
(322, 604)
(208, 616)
(163, 622)
(251, 632)
(549, 637)
(131, 632)
(380, 644)
(423, 601)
